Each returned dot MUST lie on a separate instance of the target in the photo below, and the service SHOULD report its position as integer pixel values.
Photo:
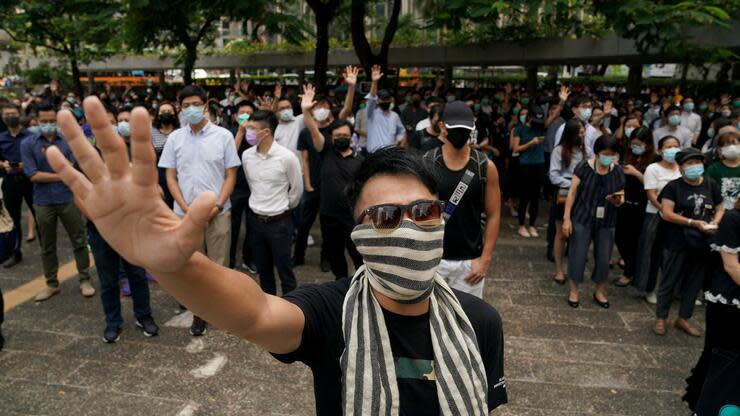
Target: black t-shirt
(337, 172)
(305, 142)
(410, 116)
(241, 187)
(423, 141)
(695, 202)
(322, 346)
(463, 231)
(722, 288)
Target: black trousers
(629, 228)
(311, 205)
(684, 272)
(337, 235)
(17, 188)
(2, 307)
(239, 210)
(530, 183)
(271, 242)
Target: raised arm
(122, 199)
(307, 104)
(350, 78)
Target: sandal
(558, 281)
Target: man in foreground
(399, 339)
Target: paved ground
(559, 361)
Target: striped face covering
(402, 265)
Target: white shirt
(591, 135)
(275, 179)
(422, 124)
(286, 133)
(201, 160)
(657, 177)
(684, 135)
(691, 121)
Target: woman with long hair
(631, 215)
(563, 161)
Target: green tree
(78, 31)
(187, 24)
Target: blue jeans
(108, 264)
(271, 245)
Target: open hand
(307, 101)
(376, 75)
(122, 198)
(564, 93)
(350, 75)
(278, 91)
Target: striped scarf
(402, 265)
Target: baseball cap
(537, 115)
(458, 115)
(688, 154)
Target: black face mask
(167, 118)
(12, 121)
(458, 137)
(416, 103)
(384, 106)
(341, 144)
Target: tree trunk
(76, 77)
(359, 39)
(552, 77)
(321, 55)
(191, 55)
(723, 77)
(634, 79)
(684, 74)
(532, 82)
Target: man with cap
(384, 127)
(528, 141)
(691, 207)
(468, 184)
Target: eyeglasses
(388, 217)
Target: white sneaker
(651, 298)
(310, 241)
(533, 232)
(524, 233)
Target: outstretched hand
(122, 197)
(307, 101)
(350, 75)
(376, 74)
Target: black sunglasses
(388, 217)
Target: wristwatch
(220, 207)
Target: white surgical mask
(321, 114)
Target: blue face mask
(693, 172)
(688, 107)
(48, 128)
(710, 132)
(669, 155)
(124, 129)
(286, 115)
(243, 118)
(585, 114)
(637, 150)
(523, 118)
(606, 161)
(628, 131)
(34, 129)
(525, 101)
(193, 114)
(451, 98)
(674, 120)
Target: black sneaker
(14, 260)
(148, 326)
(325, 266)
(111, 334)
(198, 328)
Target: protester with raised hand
(384, 127)
(394, 197)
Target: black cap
(384, 95)
(537, 116)
(456, 115)
(688, 154)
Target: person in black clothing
(399, 301)
(240, 195)
(338, 165)
(631, 215)
(16, 186)
(692, 207)
(427, 138)
(413, 113)
(470, 188)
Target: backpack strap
(482, 162)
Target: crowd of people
(614, 170)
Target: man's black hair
(45, 106)
(339, 123)
(669, 110)
(606, 142)
(391, 160)
(578, 100)
(246, 103)
(324, 99)
(265, 117)
(6, 106)
(193, 91)
(665, 138)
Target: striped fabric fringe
(368, 369)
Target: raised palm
(350, 75)
(376, 74)
(122, 198)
